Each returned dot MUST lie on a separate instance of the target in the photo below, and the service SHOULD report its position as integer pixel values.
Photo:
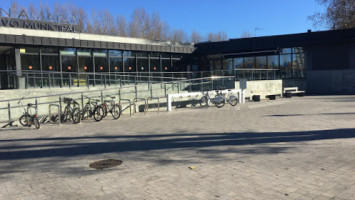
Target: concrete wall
(331, 82)
(143, 91)
(262, 88)
(331, 69)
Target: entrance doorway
(7, 64)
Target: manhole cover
(102, 164)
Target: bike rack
(130, 106)
(152, 99)
(145, 104)
(59, 113)
(10, 121)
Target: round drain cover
(102, 164)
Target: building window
(166, 65)
(142, 64)
(249, 62)
(30, 59)
(154, 65)
(238, 63)
(50, 59)
(69, 62)
(100, 60)
(85, 60)
(285, 66)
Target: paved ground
(299, 148)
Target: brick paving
(298, 148)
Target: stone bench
(289, 91)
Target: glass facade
(287, 63)
(96, 61)
(101, 60)
(53, 66)
(76, 63)
(155, 65)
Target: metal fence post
(49, 81)
(212, 84)
(26, 81)
(105, 81)
(115, 79)
(69, 80)
(165, 90)
(151, 90)
(60, 110)
(136, 91)
(87, 81)
(82, 101)
(36, 102)
(9, 110)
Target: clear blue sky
(232, 16)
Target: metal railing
(9, 113)
(51, 79)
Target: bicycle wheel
(66, 113)
(105, 109)
(86, 112)
(76, 116)
(36, 122)
(116, 111)
(219, 102)
(203, 102)
(233, 100)
(24, 120)
(98, 113)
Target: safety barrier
(241, 97)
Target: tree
(45, 11)
(14, 9)
(196, 37)
(32, 12)
(246, 34)
(178, 36)
(121, 25)
(216, 37)
(157, 29)
(139, 23)
(339, 14)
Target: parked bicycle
(109, 106)
(68, 113)
(91, 109)
(230, 98)
(219, 101)
(27, 119)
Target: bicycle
(219, 101)
(68, 113)
(27, 119)
(91, 109)
(231, 99)
(112, 107)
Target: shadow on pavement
(296, 115)
(78, 146)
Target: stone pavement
(298, 148)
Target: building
(321, 62)
(324, 60)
